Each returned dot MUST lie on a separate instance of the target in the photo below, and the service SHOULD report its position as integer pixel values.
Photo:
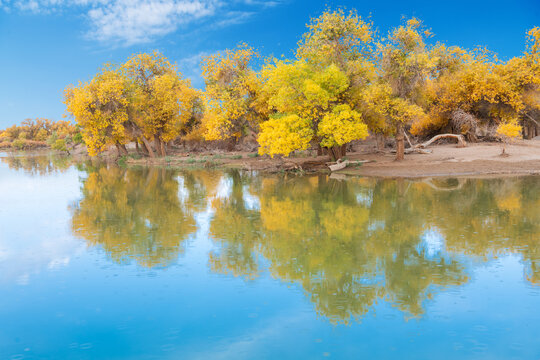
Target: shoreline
(475, 160)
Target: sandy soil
(446, 160)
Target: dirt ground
(479, 159)
(449, 160)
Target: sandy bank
(446, 160)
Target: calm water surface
(103, 262)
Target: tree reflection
(353, 243)
(38, 164)
(349, 244)
(133, 214)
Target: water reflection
(37, 164)
(349, 244)
(133, 214)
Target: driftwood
(459, 138)
(339, 165)
(342, 164)
(420, 148)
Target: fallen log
(459, 138)
(339, 165)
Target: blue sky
(48, 44)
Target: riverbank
(479, 159)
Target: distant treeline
(344, 83)
(39, 133)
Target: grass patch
(253, 155)
(122, 161)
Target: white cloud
(139, 21)
(129, 22)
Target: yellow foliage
(163, 101)
(310, 100)
(509, 130)
(282, 135)
(475, 82)
(380, 100)
(145, 97)
(100, 108)
(231, 101)
(337, 38)
(341, 126)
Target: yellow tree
(522, 77)
(477, 84)
(453, 87)
(314, 99)
(100, 108)
(404, 65)
(232, 109)
(163, 100)
(508, 131)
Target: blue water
(64, 295)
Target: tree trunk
(337, 152)
(231, 143)
(160, 146)
(142, 148)
(137, 147)
(380, 141)
(163, 148)
(122, 151)
(148, 147)
(400, 143)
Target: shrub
(77, 138)
(18, 144)
(60, 145)
(508, 131)
(52, 139)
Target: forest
(346, 82)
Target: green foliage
(60, 145)
(18, 144)
(77, 138)
(51, 140)
(122, 161)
